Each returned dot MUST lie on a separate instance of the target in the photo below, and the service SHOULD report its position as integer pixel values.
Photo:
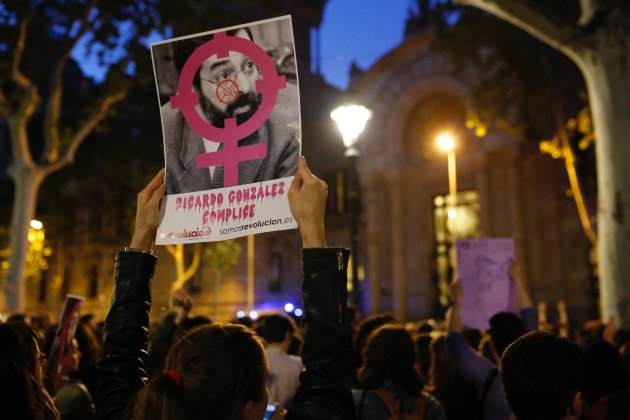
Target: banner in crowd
(62, 342)
(230, 112)
(484, 267)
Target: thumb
(303, 167)
(296, 184)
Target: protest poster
(64, 335)
(230, 112)
(484, 267)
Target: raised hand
(307, 200)
(148, 212)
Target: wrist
(142, 239)
(313, 235)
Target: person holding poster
(220, 370)
(62, 343)
(505, 327)
(231, 132)
(484, 267)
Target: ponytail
(160, 399)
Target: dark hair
(275, 327)
(295, 347)
(90, 348)
(605, 372)
(222, 367)
(365, 328)
(541, 373)
(22, 395)
(472, 336)
(182, 49)
(457, 394)
(390, 355)
(505, 327)
(423, 350)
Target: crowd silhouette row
(330, 365)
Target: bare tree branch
(16, 74)
(527, 16)
(172, 250)
(184, 274)
(589, 9)
(5, 110)
(30, 98)
(88, 125)
(53, 105)
(19, 139)
(194, 265)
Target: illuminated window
(452, 223)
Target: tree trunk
(27, 182)
(608, 81)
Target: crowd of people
(330, 367)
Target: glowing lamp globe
(351, 121)
(445, 142)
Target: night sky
(361, 31)
(352, 30)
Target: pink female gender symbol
(187, 99)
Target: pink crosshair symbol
(187, 99)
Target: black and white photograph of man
(280, 133)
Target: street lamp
(351, 121)
(446, 143)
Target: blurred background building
(506, 188)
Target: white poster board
(484, 267)
(230, 112)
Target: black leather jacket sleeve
(325, 384)
(120, 372)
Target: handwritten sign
(485, 274)
(230, 113)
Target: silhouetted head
(390, 355)
(214, 372)
(605, 372)
(277, 328)
(543, 375)
(505, 327)
(365, 328)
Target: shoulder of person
(369, 404)
(70, 391)
(434, 410)
(172, 119)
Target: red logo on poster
(227, 91)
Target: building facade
(507, 188)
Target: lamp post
(446, 143)
(351, 121)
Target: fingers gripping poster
(484, 267)
(230, 111)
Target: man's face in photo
(228, 85)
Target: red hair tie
(174, 375)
